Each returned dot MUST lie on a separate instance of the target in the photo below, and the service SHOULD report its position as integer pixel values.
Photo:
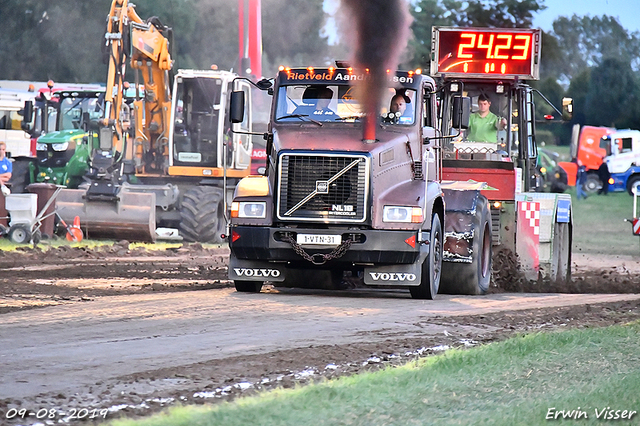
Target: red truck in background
(586, 149)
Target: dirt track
(134, 331)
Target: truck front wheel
(472, 278)
(432, 265)
(633, 181)
(592, 184)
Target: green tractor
(63, 154)
(554, 178)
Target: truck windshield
(338, 104)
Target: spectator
(483, 124)
(5, 165)
(581, 180)
(604, 175)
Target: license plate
(329, 240)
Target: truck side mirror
(461, 112)
(236, 106)
(27, 115)
(264, 84)
(567, 109)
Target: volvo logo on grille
(322, 187)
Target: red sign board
(636, 226)
(486, 52)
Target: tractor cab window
(492, 132)
(72, 112)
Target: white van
(18, 141)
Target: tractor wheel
(592, 184)
(632, 182)
(20, 233)
(561, 253)
(20, 175)
(432, 265)
(201, 215)
(472, 278)
(559, 183)
(248, 286)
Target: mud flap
(131, 217)
(399, 274)
(252, 270)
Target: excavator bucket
(132, 217)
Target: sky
(626, 11)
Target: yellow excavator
(164, 160)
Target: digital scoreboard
(486, 52)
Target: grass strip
(571, 375)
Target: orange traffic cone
(74, 233)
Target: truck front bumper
(368, 247)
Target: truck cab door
(622, 156)
(242, 144)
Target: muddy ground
(35, 279)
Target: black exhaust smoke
(379, 30)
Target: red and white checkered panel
(531, 210)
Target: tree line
(594, 60)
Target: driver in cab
(483, 124)
(398, 111)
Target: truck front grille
(327, 188)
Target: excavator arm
(106, 208)
(150, 58)
(146, 46)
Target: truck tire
(201, 215)
(562, 253)
(633, 181)
(592, 184)
(432, 265)
(472, 278)
(248, 286)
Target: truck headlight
(249, 209)
(41, 147)
(402, 214)
(60, 146)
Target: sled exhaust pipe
(131, 217)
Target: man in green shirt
(483, 125)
